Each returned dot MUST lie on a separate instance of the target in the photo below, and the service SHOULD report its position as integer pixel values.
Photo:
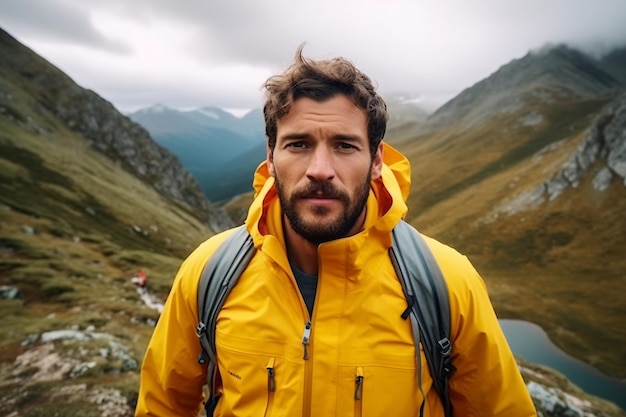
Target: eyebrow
(338, 137)
(294, 136)
(348, 138)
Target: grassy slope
(74, 228)
(558, 265)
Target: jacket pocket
(257, 375)
(378, 390)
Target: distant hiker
(140, 280)
(143, 279)
(318, 323)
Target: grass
(466, 159)
(72, 291)
(560, 262)
(74, 229)
(237, 208)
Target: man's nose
(321, 167)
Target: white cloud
(194, 53)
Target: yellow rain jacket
(360, 360)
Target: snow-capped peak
(209, 113)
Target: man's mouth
(321, 196)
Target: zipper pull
(271, 383)
(358, 384)
(306, 337)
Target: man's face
(322, 167)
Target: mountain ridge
(219, 149)
(551, 73)
(103, 128)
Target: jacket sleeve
(487, 382)
(171, 379)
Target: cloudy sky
(191, 53)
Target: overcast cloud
(192, 53)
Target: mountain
(219, 149)
(524, 172)
(162, 119)
(87, 198)
(614, 63)
(549, 74)
(405, 114)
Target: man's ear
(270, 160)
(377, 162)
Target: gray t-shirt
(308, 286)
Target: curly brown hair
(321, 80)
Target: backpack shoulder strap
(428, 305)
(219, 276)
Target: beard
(323, 230)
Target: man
(327, 199)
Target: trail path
(150, 300)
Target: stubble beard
(317, 232)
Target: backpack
(420, 276)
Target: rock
(28, 230)
(606, 141)
(81, 369)
(9, 293)
(602, 180)
(604, 145)
(30, 339)
(73, 334)
(554, 402)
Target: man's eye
(345, 145)
(296, 145)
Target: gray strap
(219, 276)
(429, 306)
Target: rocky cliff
(604, 148)
(31, 84)
(605, 143)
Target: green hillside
(560, 261)
(74, 229)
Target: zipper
(358, 392)
(358, 384)
(271, 383)
(271, 387)
(308, 370)
(306, 338)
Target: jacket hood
(388, 195)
